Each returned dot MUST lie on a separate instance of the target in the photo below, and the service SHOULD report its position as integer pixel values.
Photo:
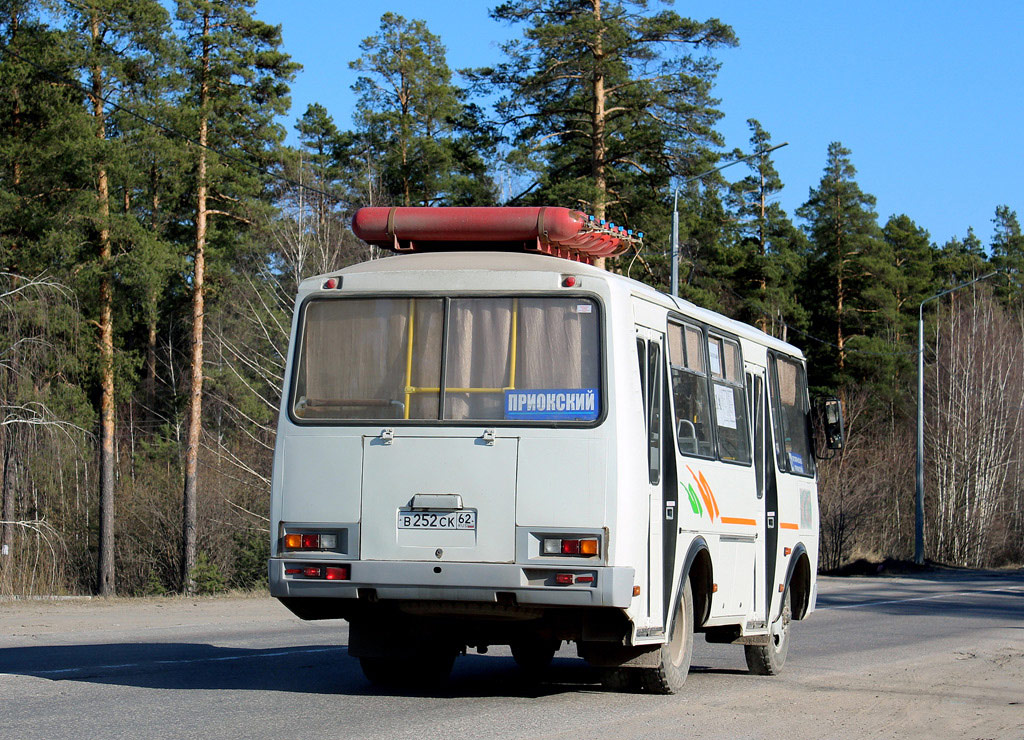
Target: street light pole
(919, 504)
(675, 245)
(675, 208)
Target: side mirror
(830, 412)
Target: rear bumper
(449, 581)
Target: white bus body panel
(530, 480)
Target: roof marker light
(569, 282)
(331, 283)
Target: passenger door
(661, 507)
(764, 567)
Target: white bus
(484, 448)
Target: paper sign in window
(715, 358)
(725, 405)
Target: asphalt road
(934, 656)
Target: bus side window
(791, 416)
(654, 382)
(730, 400)
(690, 390)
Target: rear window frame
(323, 295)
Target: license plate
(436, 519)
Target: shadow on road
(312, 669)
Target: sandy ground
(44, 619)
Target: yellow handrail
(410, 389)
(515, 344)
(408, 356)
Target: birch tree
(975, 422)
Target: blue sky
(928, 96)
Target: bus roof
(520, 262)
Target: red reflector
(563, 579)
(331, 283)
(570, 547)
(584, 579)
(569, 282)
(310, 542)
(292, 571)
(337, 574)
(311, 572)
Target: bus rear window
(449, 359)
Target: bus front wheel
(767, 660)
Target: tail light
(310, 541)
(322, 572)
(583, 547)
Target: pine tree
(119, 42)
(850, 277)
(237, 86)
(412, 117)
(914, 260)
(959, 261)
(608, 102)
(47, 202)
(768, 258)
(310, 233)
(1008, 255)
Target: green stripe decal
(694, 501)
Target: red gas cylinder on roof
(561, 232)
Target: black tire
(425, 671)
(622, 680)
(767, 660)
(534, 656)
(676, 653)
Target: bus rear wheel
(767, 660)
(534, 656)
(674, 663)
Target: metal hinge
(387, 436)
(488, 436)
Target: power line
(57, 77)
(790, 327)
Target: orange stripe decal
(789, 525)
(736, 520)
(704, 483)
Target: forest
(154, 225)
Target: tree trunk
(195, 400)
(106, 342)
(151, 312)
(599, 148)
(840, 291)
(6, 515)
